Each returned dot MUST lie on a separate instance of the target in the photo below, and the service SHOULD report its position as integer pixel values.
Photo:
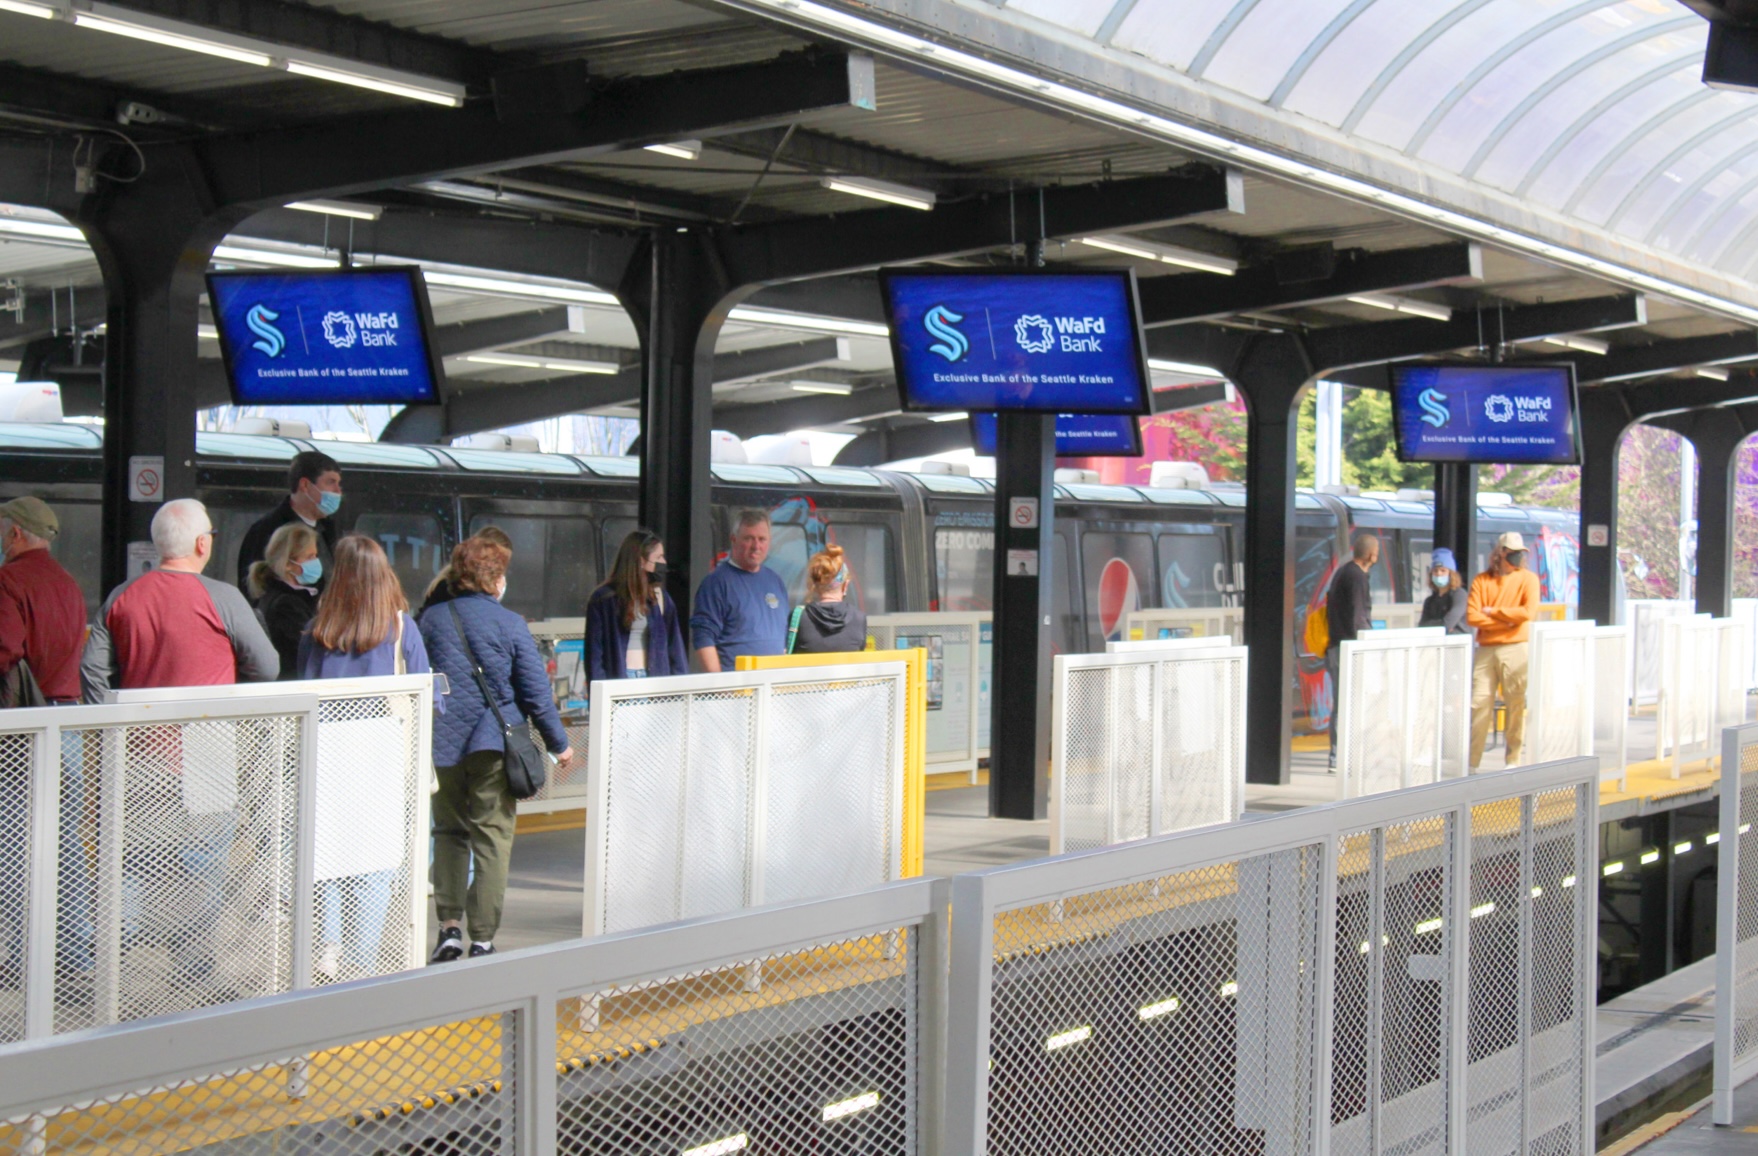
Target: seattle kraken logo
(939, 323)
(1433, 411)
(257, 319)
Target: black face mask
(659, 572)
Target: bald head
(1367, 550)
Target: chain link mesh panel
(813, 1050)
(446, 1088)
(1730, 675)
(1401, 708)
(1611, 699)
(1174, 1014)
(1736, 928)
(1745, 930)
(18, 761)
(1560, 690)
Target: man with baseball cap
(1502, 604)
(42, 613)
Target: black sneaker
(449, 946)
(480, 949)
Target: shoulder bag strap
(793, 627)
(402, 666)
(458, 621)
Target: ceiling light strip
(894, 194)
(877, 36)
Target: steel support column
(1455, 513)
(1019, 747)
(1716, 434)
(1605, 415)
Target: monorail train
(914, 541)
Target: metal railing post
(43, 883)
(970, 995)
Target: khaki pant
(1505, 666)
(473, 817)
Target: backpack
(1318, 630)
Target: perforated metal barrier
(1745, 612)
(1403, 709)
(1736, 920)
(1611, 702)
(1561, 690)
(1702, 687)
(649, 1045)
(1206, 622)
(151, 858)
(561, 642)
(1145, 741)
(961, 647)
(1410, 972)
(1646, 615)
(713, 792)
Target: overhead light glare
(354, 210)
(1160, 365)
(783, 319)
(1166, 254)
(207, 333)
(850, 1106)
(451, 96)
(1713, 372)
(45, 229)
(838, 388)
(1483, 909)
(1428, 926)
(1568, 881)
(1537, 892)
(26, 9)
(168, 39)
(1407, 305)
(1615, 867)
(1231, 987)
(1743, 828)
(1683, 848)
(955, 415)
(1712, 838)
(684, 150)
(1584, 344)
(501, 287)
(272, 257)
(1069, 1038)
(1650, 857)
(560, 365)
(892, 194)
(720, 1147)
(1154, 1011)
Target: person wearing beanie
(1445, 604)
(1501, 606)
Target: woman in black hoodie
(828, 622)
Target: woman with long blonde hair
(283, 588)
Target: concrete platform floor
(1697, 1135)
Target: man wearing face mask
(314, 484)
(1502, 604)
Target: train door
(555, 550)
(1194, 570)
(1118, 574)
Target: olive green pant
(472, 816)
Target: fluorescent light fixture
(1154, 1011)
(1568, 881)
(501, 287)
(1650, 857)
(1712, 838)
(207, 333)
(26, 9)
(850, 1106)
(1743, 828)
(44, 229)
(1537, 892)
(782, 319)
(719, 1147)
(1231, 987)
(559, 364)
(955, 415)
(140, 29)
(1713, 372)
(431, 91)
(684, 150)
(1404, 305)
(1683, 848)
(1167, 254)
(272, 257)
(1068, 1038)
(1615, 867)
(1483, 909)
(839, 388)
(355, 210)
(1160, 365)
(1584, 344)
(892, 194)
(1428, 926)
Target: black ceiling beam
(361, 152)
(1342, 346)
(496, 332)
(819, 153)
(591, 190)
(1188, 397)
(922, 440)
(807, 411)
(42, 316)
(1204, 296)
(1655, 398)
(769, 360)
(1626, 362)
(853, 296)
(818, 246)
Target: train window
(225, 445)
(231, 523)
(1315, 557)
(868, 548)
(414, 543)
(615, 530)
(788, 554)
(548, 577)
(763, 475)
(1118, 568)
(1419, 552)
(832, 476)
(1068, 625)
(951, 484)
(1091, 493)
(1379, 579)
(380, 454)
(613, 467)
(964, 561)
(78, 545)
(510, 462)
(1179, 497)
(1193, 570)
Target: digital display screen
(326, 338)
(1037, 340)
(1078, 435)
(1522, 414)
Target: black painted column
(1716, 435)
(1271, 373)
(1455, 512)
(1019, 747)
(1605, 416)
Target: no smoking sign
(1022, 513)
(146, 478)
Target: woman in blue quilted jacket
(473, 810)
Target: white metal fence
(1611, 702)
(829, 1055)
(1205, 622)
(1145, 742)
(1736, 920)
(1561, 690)
(1702, 687)
(562, 644)
(1646, 615)
(1745, 612)
(961, 649)
(712, 792)
(369, 819)
(154, 857)
(1403, 709)
(1409, 972)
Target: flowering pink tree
(1648, 511)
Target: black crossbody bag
(526, 770)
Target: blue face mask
(328, 502)
(310, 571)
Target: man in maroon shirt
(42, 613)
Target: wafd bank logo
(939, 323)
(259, 319)
(1434, 409)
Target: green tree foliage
(1648, 512)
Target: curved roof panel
(1594, 109)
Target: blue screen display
(1078, 435)
(1050, 342)
(323, 338)
(1485, 413)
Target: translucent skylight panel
(1686, 215)
(1170, 32)
(1265, 44)
(1626, 170)
(1427, 78)
(1361, 51)
(1648, 205)
(1563, 174)
(1082, 16)
(1719, 232)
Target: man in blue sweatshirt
(742, 606)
